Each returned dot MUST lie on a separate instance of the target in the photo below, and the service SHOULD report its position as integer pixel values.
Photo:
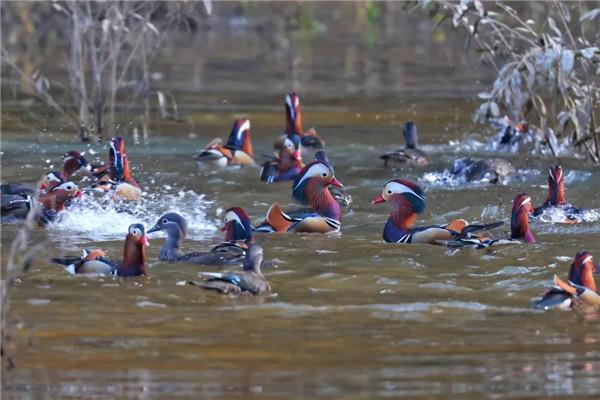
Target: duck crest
(238, 229)
(582, 271)
(293, 114)
(239, 139)
(556, 186)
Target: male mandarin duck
(494, 170)
(287, 165)
(73, 163)
(95, 261)
(48, 181)
(293, 120)
(237, 151)
(309, 188)
(510, 134)
(556, 198)
(250, 281)
(519, 228)
(580, 287)
(410, 154)
(46, 206)
(408, 200)
(238, 234)
(116, 175)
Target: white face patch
(68, 186)
(559, 175)
(587, 260)
(318, 169)
(231, 216)
(396, 187)
(52, 177)
(135, 231)
(243, 128)
(289, 144)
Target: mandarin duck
(581, 286)
(46, 206)
(519, 228)
(74, 163)
(287, 165)
(556, 200)
(408, 200)
(237, 151)
(510, 134)
(309, 188)
(339, 194)
(408, 155)
(96, 262)
(293, 125)
(250, 281)
(238, 235)
(48, 181)
(115, 177)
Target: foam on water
(560, 214)
(96, 217)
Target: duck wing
(554, 298)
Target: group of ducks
(314, 186)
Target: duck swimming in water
(410, 154)
(48, 182)
(556, 201)
(293, 125)
(310, 188)
(95, 261)
(581, 286)
(237, 150)
(238, 235)
(115, 177)
(287, 165)
(408, 200)
(250, 281)
(494, 170)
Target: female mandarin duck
(95, 261)
(250, 281)
(116, 175)
(310, 188)
(237, 151)
(407, 200)
(519, 228)
(581, 286)
(238, 235)
(293, 120)
(494, 170)
(287, 165)
(410, 154)
(556, 198)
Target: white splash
(96, 217)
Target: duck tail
(278, 219)
(65, 262)
(467, 230)
(221, 287)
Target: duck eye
(389, 191)
(69, 187)
(324, 174)
(164, 221)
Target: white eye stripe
(587, 259)
(231, 216)
(396, 187)
(288, 100)
(315, 170)
(527, 200)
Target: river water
(350, 316)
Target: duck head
(134, 251)
(556, 186)
(173, 224)
(410, 135)
(293, 114)
(239, 139)
(254, 258)
(57, 198)
(291, 149)
(51, 180)
(407, 200)
(73, 162)
(237, 225)
(310, 188)
(582, 271)
(519, 223)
